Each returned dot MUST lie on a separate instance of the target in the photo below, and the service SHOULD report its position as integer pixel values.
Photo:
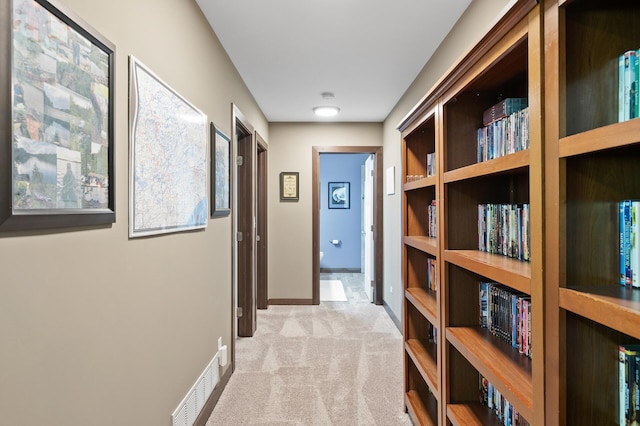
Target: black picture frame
(339, 195)
(74, 187)
(289, 186)
(220, 172)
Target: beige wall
(97, 329)
(474, 23)
(290, 224)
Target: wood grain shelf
(471, 414)
(425, 302)
(425, 244)
(417, 410)
(420, 183)
(505, 270)
(617, 307)
(424, 362)
(512, 162)
(607, 137)
(495, 359)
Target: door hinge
(371, 173)
(257, 237)
(371, 228)
(239, 236)
(240, 160)
(239, 312)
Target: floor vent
(187, 411)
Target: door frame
(262, 240)
(377, 214)
(244, 290)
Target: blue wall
(341, 224)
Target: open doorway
(347, 209)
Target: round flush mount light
(326, 111)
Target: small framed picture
(220, 172)
(289, 186)
(339, 195)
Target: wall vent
(187, 411)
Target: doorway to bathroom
(347, 239)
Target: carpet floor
(339, 363)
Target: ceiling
(365, 52)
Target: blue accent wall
(341, 224)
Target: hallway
(339, 363)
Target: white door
(369, 275)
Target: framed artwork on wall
(169, 139)
(339, 195)
(57, 142)
(220, 172)
(289, 186)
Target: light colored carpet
(332, 364)
(332, 291)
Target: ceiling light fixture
(326, 110)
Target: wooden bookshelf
(580, 164)
(591, 163)
(506, 63)
(421, 309)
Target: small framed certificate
(289, 188)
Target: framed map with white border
(168, 150)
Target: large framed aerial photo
(168, 157)
(220, 172)
(57, 142)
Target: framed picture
(339, 195)
(289, 186)
(220, 172)
(169, 139)
(57, 142)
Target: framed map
(56, 161)
(168, 157)
(220, 172)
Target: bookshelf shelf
(517, 162)
(607, 137)
(471, 414)
(513, 273)
(417, 409)
(509, 371)
(614, 306)
(425, 302)
(425, 244)
(420, 183)
(424, 358)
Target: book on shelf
(503, 137)
(431, 164)
(504, 229)
(432, 277)
(431, 218)
(491, 398)
(503, 109)
(628, 85)
(507, 314)
(629, 384)
(629, 229)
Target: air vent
(187, 411)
